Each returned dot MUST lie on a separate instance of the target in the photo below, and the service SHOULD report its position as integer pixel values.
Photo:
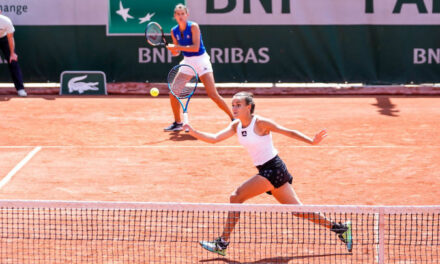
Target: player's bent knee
(235, 197)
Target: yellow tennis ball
(154, 91)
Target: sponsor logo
(426, 56)
(244, 133)
(400, 4)
(215, 7)
(124, 13)
(14, 9)
(83, 83)
(130, 17)
(75, 85)
(218, 55)
(315, 12)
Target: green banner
(369, 54)
(130, 17)
(83, 83)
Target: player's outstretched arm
(212, 138)
(274, 127)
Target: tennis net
(109, 232)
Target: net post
(381, 235)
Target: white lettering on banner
(315, 12)
(434, 56)
(218, 55)
(159, 55)
(423, 56)
(144, 55)
(250, 56)
(239, 55)
(263, 52)
(236, 55)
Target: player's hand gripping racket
(154, 35)
(182, 82)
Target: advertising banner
(369, 41)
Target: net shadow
(277, 260)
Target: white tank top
(260, 148)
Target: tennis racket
(182, 82)
(154, 35)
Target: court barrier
(263, 89)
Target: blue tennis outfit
(200, 60)
(185, 38)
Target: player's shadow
(277, 260)
(386, 107)
(180, 136)
(173, 136)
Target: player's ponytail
(249, 99)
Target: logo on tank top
(244, 133)
(187, 36)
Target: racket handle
(185, 120)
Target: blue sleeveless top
(185, 39)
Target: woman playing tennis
(188, 40)
(255, 134)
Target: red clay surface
(9, 157)
(380, 150)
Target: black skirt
(275, 171)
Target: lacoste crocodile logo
(76, 86)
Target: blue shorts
(275, 171)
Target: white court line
(17, 167)
(214, 146)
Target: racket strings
(183, 87)
(154, 34)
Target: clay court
(88, 174)
(380, 150)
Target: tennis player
(188, 40)
(255, 134)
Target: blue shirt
(185, 39)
